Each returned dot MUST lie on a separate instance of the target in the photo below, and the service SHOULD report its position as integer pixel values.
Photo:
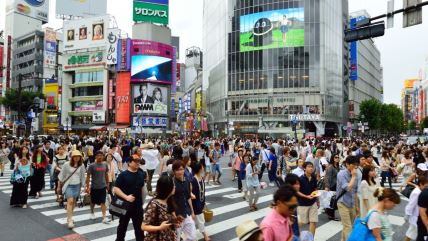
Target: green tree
(391, 118)
(411, 125)
(424, 123)
(369, 112)
(10, 100)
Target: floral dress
(155, 214)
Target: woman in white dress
(367, 189)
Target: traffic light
(365, 32)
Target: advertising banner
(150, 12)
(162, 2)
(81, 8)
(123, 97)
(88, 105)
(112, 39)
(50, 48)
(198, 99)
(279, 28)
(152, 62)
(1, 60)
(84, 60)
(353, 62)
(124, 54)
(110, 94)
(85, 33)
(178, 78)
(51, 93)
(150, 99)
(148, 121)
(38, 9)
(98, 116)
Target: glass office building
(270, 62)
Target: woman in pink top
(237, 166)
(276, 226)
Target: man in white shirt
(151, 155)
(264, 157)
(299, 169)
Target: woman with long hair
(163, 162)
(330, 181)
(385, 167)
(40, 162)
(207, 164)
(158, 222)
(253, 184)
(407, 167)
(237, 167)
(157, 95)
(72, 180)
(110, 174)
(367, 188)
(4, 156)
(58, 162)
(198, 203)
(19, 195)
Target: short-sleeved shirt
(343, 179)
(181, 197)
(307, 187)
(98, 174)
(275, 227)
(132, 183)
(381, 221)
(216, 155)
(423, 203)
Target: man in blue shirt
(347, 188)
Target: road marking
(233, 196)
(327, 230)
(221, 190)
(129, 236)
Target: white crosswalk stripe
(226, 217)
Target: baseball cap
(422, 167)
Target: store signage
(85, 60)
(38, 9)
(123, 97)
(304, 117)
(110, 94)
(149, 12)
(98, 117)
(112, 39)
(146, 121)
(151, 108)
(123, 54)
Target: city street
(227, 204)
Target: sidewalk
(29, 225)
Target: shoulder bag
(334, 199)
(120, 207)
(360, 230)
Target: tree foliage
(411, 125)
(11, 99)
(386, 117)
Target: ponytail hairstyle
(384, 193)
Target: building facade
(366, 78)
(270, 64)
(408, 100)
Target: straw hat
(150, 145)
(246, 229)
(76, 153)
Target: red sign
(1, 61)
(123, 97)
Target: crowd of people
(344, 175)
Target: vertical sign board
(413, 17)
(50, 48)
(353, 63)
(110, 94)
(174, 70)
(123, 97)
(112, 39)
(124, 54)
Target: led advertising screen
(152, 62)
(150, 99)
(280, 28)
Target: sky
(403, 50)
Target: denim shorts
(72, 191)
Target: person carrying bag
(361, 231)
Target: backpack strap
(368, 216)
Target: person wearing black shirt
(423, 216)
(182, 199)
(126, 151)
(129, 186)
(50, 154)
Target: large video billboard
(81, 8)
(38, 9)
(85, 33)
(152, 62)
(272, 29)
(150, 99)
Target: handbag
(119, 207)
(407, 190)
(360, 230)
(321, 184)
(334, 199)
(208, 214)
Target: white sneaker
(70, 225)
(106, 220)
(271, 184)
(92, 216)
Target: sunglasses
(336, 157)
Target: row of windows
(86, 77)
(88, 91)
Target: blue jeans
(216, 168)
(51, 181)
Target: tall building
(408, 99)
(272, 64)
(366, 77)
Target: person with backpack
(129, 187)
(19, 195)
(97, 179)
(158, 222)
(377, 220)
(58, 162)
(71, 181)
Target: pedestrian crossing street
(228, 206)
